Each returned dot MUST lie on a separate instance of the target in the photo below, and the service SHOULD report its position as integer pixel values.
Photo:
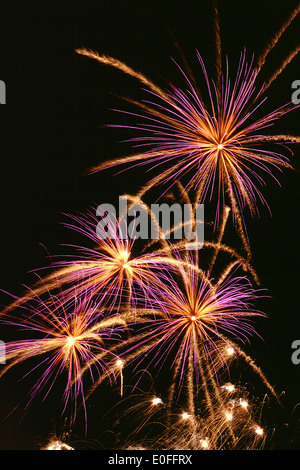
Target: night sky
(53, 129)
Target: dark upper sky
(52, 131)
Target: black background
(52, 132)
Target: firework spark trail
(282, 67)
(218, 48)
(215, 404)
(187, 67)
(256, 369)
(220, 236)
(279, 138)
(217, 245)
(112, 62)
(261, 60)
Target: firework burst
(218, 145)
(70, 337)
(191, 317)
(110, 271)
